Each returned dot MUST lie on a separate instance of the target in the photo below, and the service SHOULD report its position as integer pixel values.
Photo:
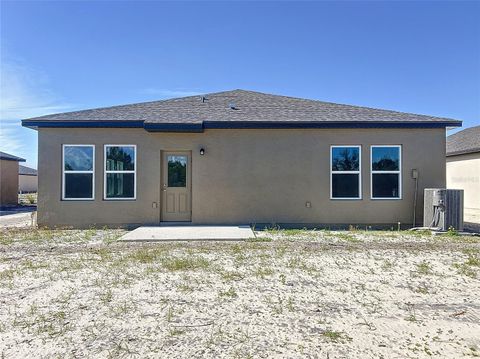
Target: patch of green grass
(411, 313)
(259, 239)
(292, 232)
(336, 337)
(170, 314)
(31, 265)
(451, 232)
(173, 332)
(347, 237)
(230, 293)
(424, 268)
(421, 233)
(411, 318)
(185, 288)
(231, 276)
(263, 272)
(465, 270)
(296, 232)
(102, 254)
(185, 263)
(106, 296)
(146, 255)
(468, 268)
(46, 235)
(421, 290)
(387, 264)
(473, 259)
(123, 309)
(7, 274)
(290, 305)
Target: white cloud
(10, 140)
(24, 93)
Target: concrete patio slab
(188, 233)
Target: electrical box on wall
(443, 208)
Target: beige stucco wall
(463, 172)
(8, 182)
(245, 176)
(27, 183)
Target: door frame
(163, 177)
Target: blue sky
(420, 57)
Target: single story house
(27, 179)
(463, 169)
(236, 157)
(9, 179)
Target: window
(386, 163)
(120, 172)
(345, 180)
(78, 172)
(177, 171)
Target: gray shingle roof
(9, 157)
(249, 106)
(465, 141)
(26, 171)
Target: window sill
(386, 198)
(119, 199)
(345, 199)
(77, 199)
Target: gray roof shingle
(249, 106)
(9, 157)
(465, 141)
(26, 171)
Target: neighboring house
(463, 169)
(27, 179)
(236, 157)
(9, 179)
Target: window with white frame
(78, 172)
(386, 179)
(345, 167)
(120, 172)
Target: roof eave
(201, 126)
(463, 152)
(13, 159)
(35, 124)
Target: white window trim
(64, 172)
(105, 174)
(399, 172)
(359, 172)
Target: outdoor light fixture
(202, 151)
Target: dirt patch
(288, 294)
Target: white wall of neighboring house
(463, 172)
(27, 183)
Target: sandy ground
(17, 216)
(16, 220)
(288, 294)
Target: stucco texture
(463, 172)
(8, 182)
(245, 176)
